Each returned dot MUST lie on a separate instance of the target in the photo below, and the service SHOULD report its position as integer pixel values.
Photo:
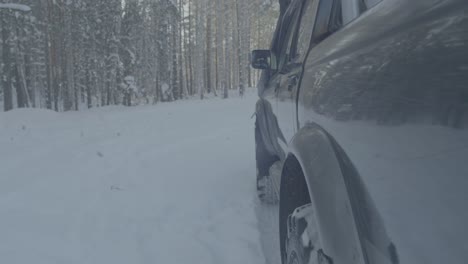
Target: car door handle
(292, 82)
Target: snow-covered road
(170, 183)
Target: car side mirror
(261, 59)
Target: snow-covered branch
(18, 7)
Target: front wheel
(303, 244)
(267, 190)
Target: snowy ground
(171, 183)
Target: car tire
(266, 190)
(294, 250)
(303, 244)
(300, 239)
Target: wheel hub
(302, 223)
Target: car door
(290, 65)
(280, 46)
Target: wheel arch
(312, 152)
(350, 226)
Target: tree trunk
(89, 100)
(239, 17)
(6, 74)
(208, 53)
(175, 75)
(21, 86)
(181, 66)
(190, 48)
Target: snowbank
(170, 183)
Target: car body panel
(286, 105)
(272, 81)
(392, 89)
(267, 122)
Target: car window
(329, 19)
(371, 3)
(336, 18)
(362, 6)
(350, 10)
(285, 26)
(353, 8)
(287, 33)
(306, 25)
(279, 37)
(285, 55)
(320, 19)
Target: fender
(349, 224)
(338, 231)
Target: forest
(69, 55)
